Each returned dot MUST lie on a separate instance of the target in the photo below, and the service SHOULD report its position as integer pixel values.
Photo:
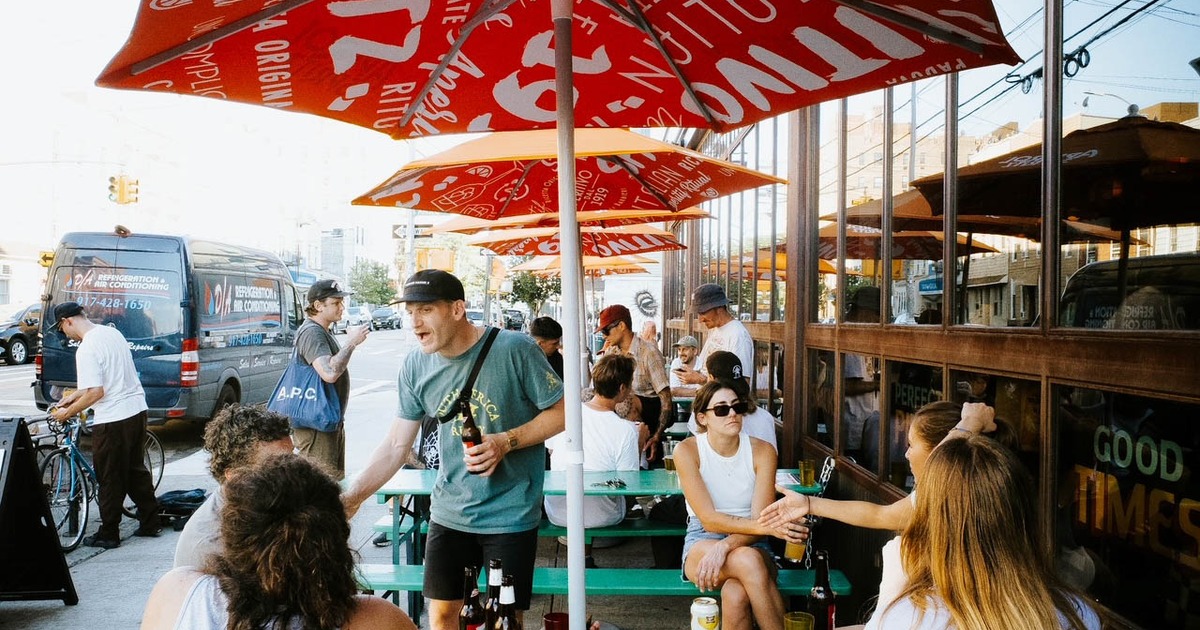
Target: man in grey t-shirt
(318, 348)
(487, 500)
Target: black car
(386, 317)
(514, 319)
(19, 332)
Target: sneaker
(381, 540)
(104, 543)
(562, 540)
(148, 532)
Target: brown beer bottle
(471, 435)
(821, 604)
(471, 616)
(507, 618)
(491, 610)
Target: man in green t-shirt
(487, 500)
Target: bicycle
(70, 480)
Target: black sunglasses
(721, 410)
(609, 328)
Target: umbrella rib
(218, 33)
(517, 186)
(619, 161)
(924, 28)
(634, 16)
(485, 12)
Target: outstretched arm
(391, 453)
(793, 507)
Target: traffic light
(116, 189)
(131, 190)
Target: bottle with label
(471, 435)
(706, 614)
(491, 609)
(471, 616)
(507, 617)
(821, 600)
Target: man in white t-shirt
(724, 332)
(687, 348)
(107, 383)
(610, 443)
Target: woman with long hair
(975, 555)
(727, 478)
(286, 563)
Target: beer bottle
(471, 616)
(491, 609)
(507, 617)
(471, 435)
(821, 604)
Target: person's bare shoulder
(165, 601)
(375, 612)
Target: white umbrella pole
(572, 290)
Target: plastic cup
(808, 472)
(555, 621)
(798, 621)
(794, 551)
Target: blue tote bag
(310, 402)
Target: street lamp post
(1132, 110)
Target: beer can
(706, 615)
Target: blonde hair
(975, 547)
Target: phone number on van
(115, 303)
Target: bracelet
(967, 431)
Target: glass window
(1018, 403)
(912, 386)
(859, 427)
(141, 303)
(823, 403)
(1128, 519)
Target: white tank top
(730, 480)
(206, 608)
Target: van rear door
(139, 293)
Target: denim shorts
(696, 532)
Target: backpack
(176, 507)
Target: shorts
(448, 551)
(696, 532)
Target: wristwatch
(512, 440)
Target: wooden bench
(553, 581)
(628, 528)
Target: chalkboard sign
(34, 566)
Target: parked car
(386, 317)
(353, 316)
(19, 332)
(475, 316)
(514, 319)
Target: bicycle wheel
(65, 484)
(155, 459)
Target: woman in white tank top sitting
(727, 478)
(286, 564)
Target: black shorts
(448, 551)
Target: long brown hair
(933, 421)
(286, 554)
(975, 547)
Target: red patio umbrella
(594, 241)
(415, 67)
(598, 218)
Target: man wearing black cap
(725, 332)
(317, 347)
(487, 502)
(107, 382)
(651, 384)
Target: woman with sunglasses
(728, 478)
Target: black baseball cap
(325, 289)
(431, 285)
(63, 311)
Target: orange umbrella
(598, 218)
(594, 241)
(505, 174)
(592, 265)
(863, 243)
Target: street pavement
(113, 585)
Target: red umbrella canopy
(516, 172)
(595, 218)
(1132, 172)
(416, 67)
(594, 241)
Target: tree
(533, 291)
(371, 284)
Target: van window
(141, 303)
(238, 310)
(1161, 293)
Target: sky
(269, 179)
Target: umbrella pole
(1123, 268)
(572, 270)
(962, 294)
